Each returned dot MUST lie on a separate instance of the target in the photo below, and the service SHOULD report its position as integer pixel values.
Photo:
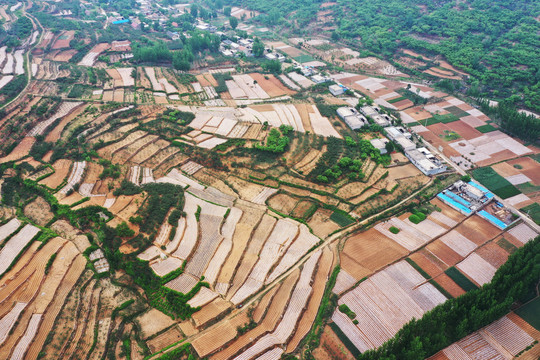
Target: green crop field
(486, 128)
(495, 182)
(457, 111)
(445, 119)
(460, 279)
(534, 212)
(304, 58)
(341, 218)
(531, 313)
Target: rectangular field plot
(384, 303)
(477, 269)
(502, 339)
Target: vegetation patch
(394, 230)
(533, 211)
(495, 182)
(460, 279)
(486, 128)
(530, 312)
(342, 218)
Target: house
(382, 120)
(394, 132)
(319, 79)
(173, 35)
(352, 117)
(369, 110)
(425, 161)
(307, 71)
(271, 56)
(380, 144)
(336, 90)
(405, 143)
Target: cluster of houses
(236, 48)
(421, 157)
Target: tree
(194, 10)
(123, 230)
(227, 11)
(273, 66)
(233, 22)
(390, 147)
(258, 48)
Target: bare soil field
(63, 40)
(21, 150)
(321, 224)
(444, 253)
(62, 169)
(152, 322)
(39, 211)
(272, 86)
(55, 133)
(165, 339)
(478, 230)
(370, 250)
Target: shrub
(394, 230)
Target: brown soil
(39, 211)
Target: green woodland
(495, 41)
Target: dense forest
(496, 42)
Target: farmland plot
(10, 64)
(19, 62)
(31, 330)
(285, 328)
(477, 269)
(9, 228)
(502, 339)
(15, 245)
(300, 79)
(284, 233)
(90, 58)
(127, 78)
(75, 176)
(64, 109)
(384, 303)
(151, 73)
(321, 125)
(147, 153)
(252, 89)
(273, 315)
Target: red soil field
(467, 132)
(478, 230)
(444, 253)
(493, 254)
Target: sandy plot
(478, 229)
(530, 168)
(272, 86)
(153, 321)
(321, 125)
(64, 109)
(493, 254)
(54, 134)
(115, 75)
(505, 170)
(478, 269)
(214, 339)
(19, 62)
(9, 65)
